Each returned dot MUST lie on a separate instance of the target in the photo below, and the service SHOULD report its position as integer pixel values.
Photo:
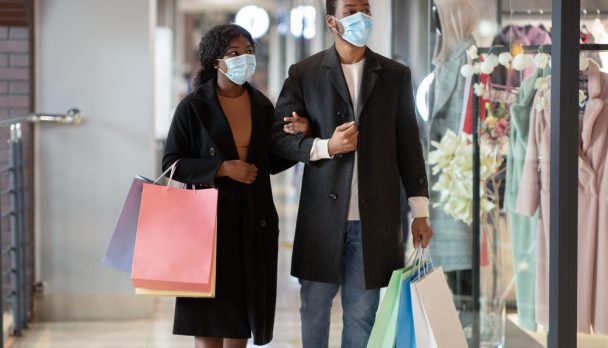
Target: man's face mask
(357, 28)
(240, 68)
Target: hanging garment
(592, 221)
(523, 228)
(451, 246)
(593, 180)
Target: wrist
(221, 171)
(330, 149)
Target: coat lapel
(368, 80)
(216, 122)
(258, 124)
(331, 64)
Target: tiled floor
(156, 332)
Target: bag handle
(172, 170)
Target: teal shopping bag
(384, 331)
(406, 337)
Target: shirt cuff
(320, 150)
(419, 207)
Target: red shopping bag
(174, 246)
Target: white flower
(540, 104)
(472, 51)
(479, 89)
(486, 67)
(522, 62)
(583, 63)
(505, 58)
(467, 70)
(541, 60)
(476, 68)
(492, 58)
(582, 98)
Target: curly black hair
(330, 7)
(213, 46)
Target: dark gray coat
(389, 151)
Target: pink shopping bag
(174, 246)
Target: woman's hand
(297, 124)
(238, 170)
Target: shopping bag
(174, 246)
(174, 293)
(119, 253)
(436, 321)
(383, 332)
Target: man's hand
(297, 124)
(421, 232)
(238, 170)
(344, 139)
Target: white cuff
(419, 207)
(320, 150)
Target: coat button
(340, 114)
(333, 196)
(212, 151)
(262, 223)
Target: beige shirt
(238, 114)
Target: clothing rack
(476, 224)
(540, 48)
(541, 12)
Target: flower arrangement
(452, 160)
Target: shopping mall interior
(89, 88)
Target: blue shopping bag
(406, 336)
(119, 253)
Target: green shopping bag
(384, 331)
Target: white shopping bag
(436, 321)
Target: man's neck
(349, 54)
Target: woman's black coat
(201, 139)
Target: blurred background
(125, 65)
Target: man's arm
(295, 147)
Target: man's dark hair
(213, 46)
(330, 7)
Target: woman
(219, 134)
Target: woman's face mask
(239, 68)
(357, 28)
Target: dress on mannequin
(451, 245)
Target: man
(364, 140)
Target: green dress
(523, 229)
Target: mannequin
(455, 21)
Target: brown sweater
(238, 113)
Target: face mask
(240, 68)
(357, 28)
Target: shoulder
(392, 66)
(311, 62)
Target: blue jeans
(359, 305)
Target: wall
(97, 56)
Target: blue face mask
(240, 68)
(357, 28)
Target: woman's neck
(227, 88)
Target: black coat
(200, 137)
(389, 151)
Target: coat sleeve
(276, 163)
(190, 169)
(293, 147)
(411, 161)
(528, 197)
